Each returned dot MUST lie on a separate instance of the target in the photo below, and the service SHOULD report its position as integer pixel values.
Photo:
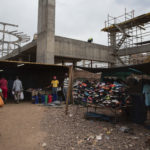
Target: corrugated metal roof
(144, 68)
(29, 63)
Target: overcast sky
(78, 19)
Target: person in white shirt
(17, 89)
(65, 85)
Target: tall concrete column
(113, 47)
(46, 32)
(113, 40)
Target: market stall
(114, 91)
(34, 76)
(106, 94)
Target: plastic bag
(1, 102)
(21, 96)
(58, 89)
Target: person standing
(65, 85)
(54, 84)
(3, 86)
(10, 86)
(17, 88)
(1, 98)
(1, 94)
(146, 92)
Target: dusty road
(26, 127)
(20, 127)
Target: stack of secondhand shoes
(100, 93)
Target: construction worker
(90, 40)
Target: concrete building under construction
(127, 35)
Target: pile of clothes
(108, 94)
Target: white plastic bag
(58, 89)
(13, 92)
(21, 96)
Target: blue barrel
(42, 99)
(36, 99)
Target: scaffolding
(10, 38)
(127, 31)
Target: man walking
(17, 88)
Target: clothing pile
(106, 94)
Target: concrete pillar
(74, 63)
(113, 44)
(83, 63)
(91, 64)
(113, 40)
(46, 32)
(63, 63)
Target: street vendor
(65, 85)
(146, 92)
(54, 84)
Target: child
(1, 100)
(1, 94)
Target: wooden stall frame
(69, 89)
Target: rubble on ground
(77, 133)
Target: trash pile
(108, 94)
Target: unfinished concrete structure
(46, 32)
(51, 49)
(10, 38)
(128, 35)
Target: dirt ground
(73, 132)
(34, 127)
(20, 127)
